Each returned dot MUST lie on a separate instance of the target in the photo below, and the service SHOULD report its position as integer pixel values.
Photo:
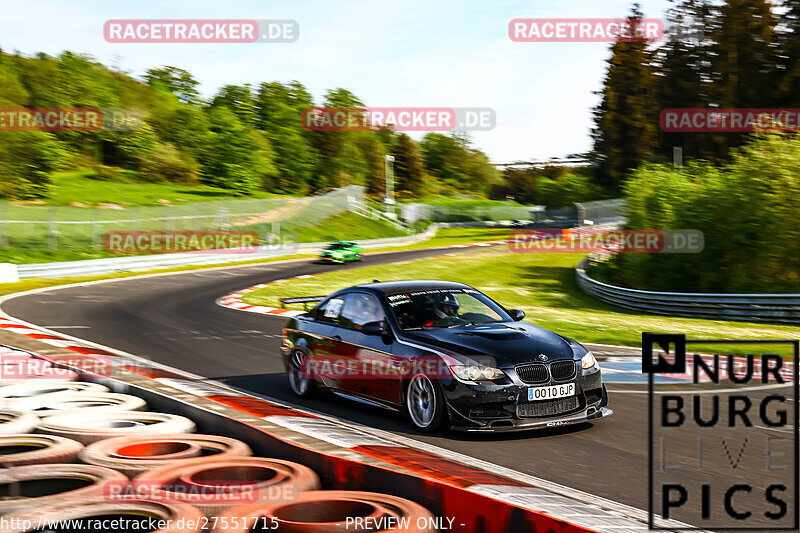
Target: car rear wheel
(425, 404)
(299, 382)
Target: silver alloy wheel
(421, 401)
(297, 381)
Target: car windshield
(436, 308)
(337, 246)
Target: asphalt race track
(174, 320)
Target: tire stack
(73, 450)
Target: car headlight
(588, 361)
(476, 373)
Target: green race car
(341, 252)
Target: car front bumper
(485, 407)
(526, 424)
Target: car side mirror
(374, 328)
(516, 314)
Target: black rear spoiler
(305, 300)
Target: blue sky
(418, 53)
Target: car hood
(508, 343)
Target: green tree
(683, 65)
(185, 126)
(26, 160)
(408, 170)
(744, 57)
(232, 158)
(175, 80)
(788, 42)
(626, 119)
(239, 99)
(745, 209)
(12, 92)
(456, 164)
(277, 114)
(340, 159)
(374, 154)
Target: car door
(373, 367)
(323, 339)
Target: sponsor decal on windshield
(441, 291)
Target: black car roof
(396, 287)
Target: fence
(370, 212)
(107, 265)
(588, 213)
(77, 229)
(411, 213)
(601, 212)
(749, 307)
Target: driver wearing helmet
(446, 305)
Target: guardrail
(744, 307)
(109, 265)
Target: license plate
(551, 392)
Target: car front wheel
(425, 404)
(299, 382)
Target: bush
(108, 173)
(550, 186)
(26, 160)
(165, 163)
(747, 211)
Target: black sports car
(446, 354)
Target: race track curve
(174, 320)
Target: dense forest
(731, 54)
(243, 139)
(740, 189)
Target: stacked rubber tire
(73, 450)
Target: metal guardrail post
(581, 213)
(4, 227)
(95, 230)
(52, 230)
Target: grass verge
(346, 225)
(444, 237)
(82, 186)
(542, 285)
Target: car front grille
(562, 370)
(545, 408)
(533, 373)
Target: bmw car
(340, 252)
(446, 355)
